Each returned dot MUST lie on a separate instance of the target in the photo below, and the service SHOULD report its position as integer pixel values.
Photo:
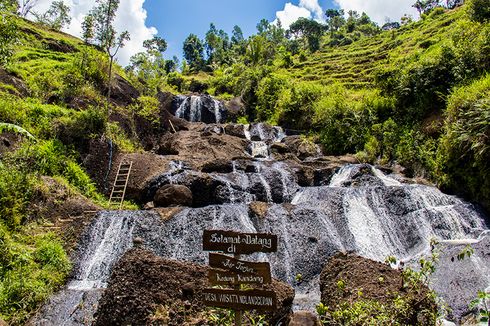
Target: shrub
(464, 154)
(268, 92)
(479, 10)
(296, 103)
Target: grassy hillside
(52, 90)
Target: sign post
(232, 271)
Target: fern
(10, 127)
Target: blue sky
(175, 20)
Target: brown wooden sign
(240, 300)
(245, 272)
(217, 277)
(238, 243)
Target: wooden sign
(217, 277)
(240, 300)
(244, 272)
(238, 243)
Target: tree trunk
(109, 87)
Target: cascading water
(360, 209)
(199, 108)
(108, 237)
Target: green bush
(33, 267)
(344, 118)
(464, 153)
(296, 105)
(268, 92)
(479, 10)
(15, 193)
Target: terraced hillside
(355, 65)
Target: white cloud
(380, 10)
(131, 17)
(291, 13)
(314, 7)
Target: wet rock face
(199, 108)
(143, 284)
(173, 195)
(461, 278)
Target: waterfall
(180, 113)
(217, 108)
(108, 237)
(361, 210)
(195, 113)
(199, 108)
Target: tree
(212, 42)
(193, 52)
(479, 10)
(57, 16)
(335, 19)
(425, 6)
(88, 29)
(26, 7)
(310, 30)
(155, 46)
(9, 6)
(237, 35)
(406, 19)
(100, 28)
(263, 26)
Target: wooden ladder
(120, 183)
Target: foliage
(8, 33)
(9, 127)
(482, 303)
(193, 52)
(33, 266)
(479, 10)
(56, 17)
(465, 149)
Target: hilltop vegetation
(416, 95)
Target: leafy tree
(263, 26)
(406, 19)
(237, 35)
(310, 30)
(335, 19)
(156, 45)
(100, 28)
(425, 6)
(88, 29)
(193, 52)
(57, 16)
(10, 6)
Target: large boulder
(457, 281)
(347, 278)
(302, 147)
(146, 289)
(173, 195)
